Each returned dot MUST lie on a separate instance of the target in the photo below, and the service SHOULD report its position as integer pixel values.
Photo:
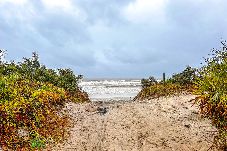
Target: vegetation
(212, 90)
(31, 102)
(209, 83)
(148, 82)
(185, 78)
(178, 83)
(158, 90)
(32, 97)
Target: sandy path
(170, 124)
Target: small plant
(148, 82)
(2, 53)
(37, 143)
(186, 77)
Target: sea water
(111, 89)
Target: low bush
(148, 82)
(31, 102)
(30, 107)
(177, 84)
(212, 91)
(162, 90)
(30, 68)
(185, 78)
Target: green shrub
(148, 82)
(161, 90)
(32, 69)
(212, 91)
(186, 77)
(31, 102)
(31, 107)
(158, 90)
(177, 84)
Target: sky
(113, 38)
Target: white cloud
(17, 11)
(63, 4)
(145, 11)
(67, 6)
(16, 2)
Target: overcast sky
(113, 38)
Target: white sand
(167, 124)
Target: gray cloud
(102, 10)
(97, 39)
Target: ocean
(111, 89)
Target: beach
(164, 124)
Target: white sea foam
(111, 89)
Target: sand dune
(167, 124)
